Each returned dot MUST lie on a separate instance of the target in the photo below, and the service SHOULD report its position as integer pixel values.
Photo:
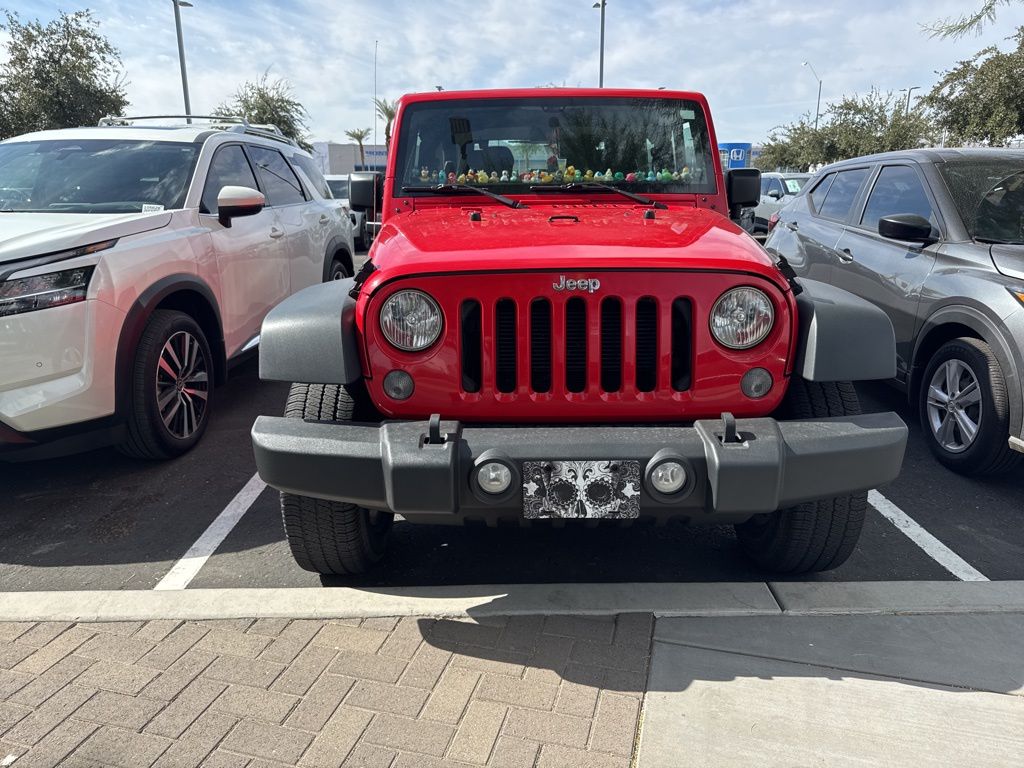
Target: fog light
(756, 382)
(398, 385)
(494, 477)
(668, 477)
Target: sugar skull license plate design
(585, 489)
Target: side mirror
(774, 194)
(742, 188)
(238, 201)
(906, 226)
(365, 191)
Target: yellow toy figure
(589, 175)
(462, 178)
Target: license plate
(606, 488)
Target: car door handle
(324, 218)
(846, 255)
(276, 232)
(792, 226)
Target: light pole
(178, 5)
(817, 109)
(601, 4)
(909, 91)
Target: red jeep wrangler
(559, 320)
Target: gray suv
(935, 237)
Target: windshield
(989, 195)
(339, 188)
(94, 175)
(642, 144)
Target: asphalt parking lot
(103, 521)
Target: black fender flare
(842, 337)
(334, 246)
(990, 331)
(137, 317)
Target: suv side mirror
(742, 188)
(238, 201)
(774, 194)
(364, 191)
(906, 226)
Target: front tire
(965, 409)
(332, 537)
(338, 271)
(171, 388)
(817, 535)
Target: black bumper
(396, 467)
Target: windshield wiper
(597, 187)
(442, 189)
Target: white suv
(136, 265)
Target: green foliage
(980, 99)
(854, 126)
(60, 75)
(266, 101)
(959, 26)
(359, 135)
(386, 111)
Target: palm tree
(359, 135)
(386, 111)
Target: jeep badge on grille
(584, 284)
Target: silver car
(777, 190)
(935, 237)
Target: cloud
(745, 56)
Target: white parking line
(186, 569)
(934, 548)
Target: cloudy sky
(746, 56)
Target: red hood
(606, 236)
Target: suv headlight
(742, 318)
(55, 289)
(411, 320)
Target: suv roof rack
(233, 123)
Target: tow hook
(434, 436)
(729, 434)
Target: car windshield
(339, 188)
(644, 144)
(94, 175)
(989, 194)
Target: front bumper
(397, 466)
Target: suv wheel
(171, 388)
(331, 537)
(964, 409)
(818, 535)
(338, 271)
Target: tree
(854, 126)
(60, 75)
(359, 135)
(386, 111)
(980, 99)
(266, 101)
(959, 26)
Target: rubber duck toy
(424, 174)
(546, 178)
(685, 173)
(504, 177)
(608, 175)
(462, 178)
(599, 176)
(619, 176)
(675, 175)
(651, 176)
(452, 177)
(630, 177)
(589, 175)
(570, 172)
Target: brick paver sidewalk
(519, 691)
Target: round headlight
(411, 320)
(742, 318)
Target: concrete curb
(663, 600)
(723, 599)
(899, 597)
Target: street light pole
(817, 109)
(601, 4)
(909, 91)
(178, 5)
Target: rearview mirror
(238, 201)
(906, 226)
(742, 188)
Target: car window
(280, 184)
(339, 188)
(817, 194)
(841, 194)
(316, 178)
(765, 184)
(230, 167)
(897, 190)
(794, 185)
(777, 186)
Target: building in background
(337, 158)
(738, 154)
